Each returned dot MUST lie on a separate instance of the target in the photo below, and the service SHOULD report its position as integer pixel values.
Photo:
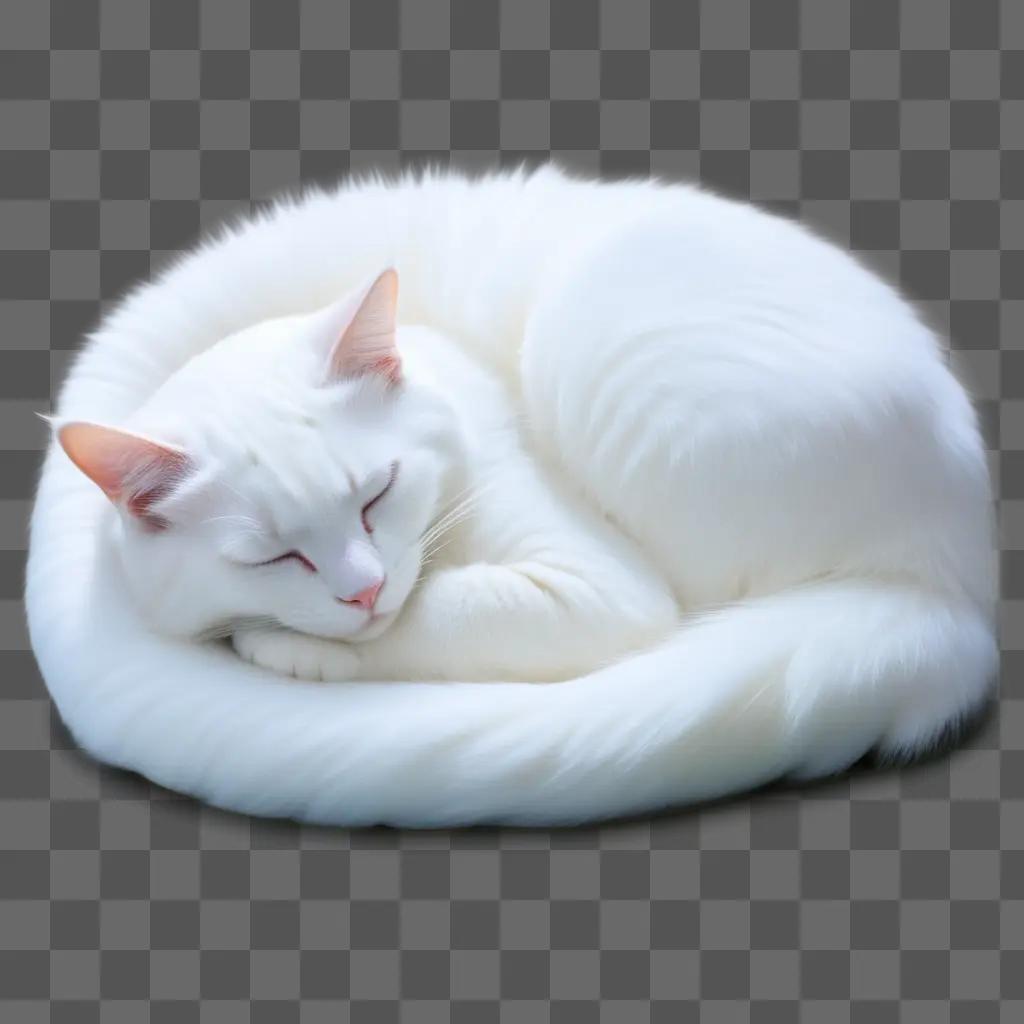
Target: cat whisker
(441, 522)
(450, 518)
(470, 492)
(428, 556)
(439, 531)
(225, 629)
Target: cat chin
(374, 628)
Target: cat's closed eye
(288, 556)
(369, 506)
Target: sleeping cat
(298, 472)
(599, 420)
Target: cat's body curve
(770, 431)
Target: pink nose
(367, 597)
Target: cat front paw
(287, 653)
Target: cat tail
(800, 683)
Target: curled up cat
(309, 493)
(428, 444)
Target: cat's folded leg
(297, 654)
(527, 621)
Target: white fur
(692, 430)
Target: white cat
(673, 449)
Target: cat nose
(366, 598)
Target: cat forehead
(274, 426)
(269, 499)
(257, 410)
(291, 449)
(281, 491)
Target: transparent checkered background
(126, 127)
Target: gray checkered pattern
(127, 127)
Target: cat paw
(296, 654)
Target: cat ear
(134, 472)
(366, 342)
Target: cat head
(286, 475)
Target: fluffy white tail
(802, 682)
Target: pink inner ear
(132, 471)
(367, 343)
(155, 482)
